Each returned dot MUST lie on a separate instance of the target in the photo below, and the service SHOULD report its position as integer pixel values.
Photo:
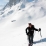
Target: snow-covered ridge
(25, 11)
(14, 20)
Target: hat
(29, 23)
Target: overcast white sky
(3, 3)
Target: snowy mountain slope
(14, 2)
(11, 3)
(13, 33)
(16, 36)
(30, 9)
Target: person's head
(30, 25)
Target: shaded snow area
(15, 19)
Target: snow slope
(14, 20)
(16, 36)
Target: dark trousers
(30, 38)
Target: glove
(39, 29)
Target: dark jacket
(31, 30)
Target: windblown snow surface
(14, 20)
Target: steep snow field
(14, 20)
(14, 36)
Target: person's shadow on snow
(40, 41)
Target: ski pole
(40, 34)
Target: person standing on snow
(30, 32)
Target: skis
(40, 32)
